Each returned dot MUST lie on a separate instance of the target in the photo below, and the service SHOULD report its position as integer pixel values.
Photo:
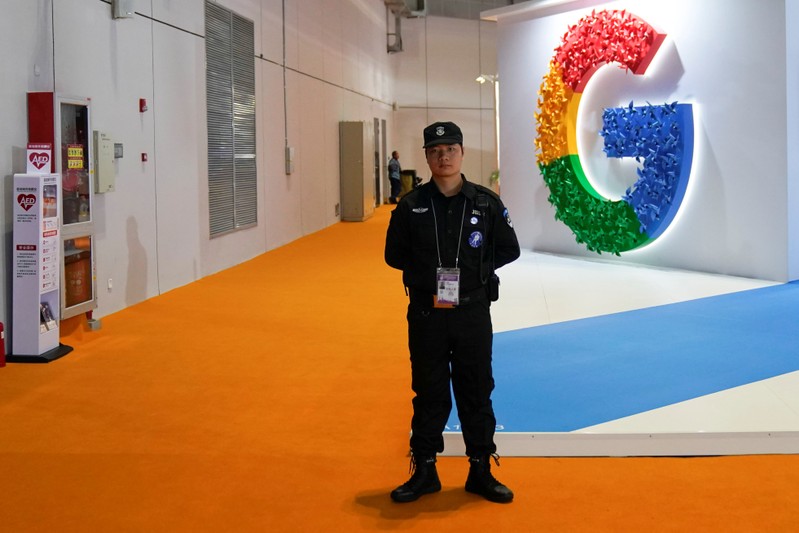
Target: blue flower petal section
(662, 136)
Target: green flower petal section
(614, 226)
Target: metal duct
(401, 9)
(407, 8)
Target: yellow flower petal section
(556, 119)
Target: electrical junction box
(104, 168)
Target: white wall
(435, 81)
(26, 64)
(728, 57)
(152, 232)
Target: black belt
(465, 298)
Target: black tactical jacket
(473, 221)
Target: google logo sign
(659, 137)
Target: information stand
(37, 270)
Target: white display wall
(731, 60)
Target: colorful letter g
(660, 137)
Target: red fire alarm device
(142, 105)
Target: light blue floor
(593, 347)
(570, 375)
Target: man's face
(445, 160)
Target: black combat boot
(480, 480)
(424, 480)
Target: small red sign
(39, 159)
(26, 201)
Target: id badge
(448, 281)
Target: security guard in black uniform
(448, 236)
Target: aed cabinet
(65, 123)
(356, 167)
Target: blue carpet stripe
(570, 375)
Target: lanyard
(460, 234)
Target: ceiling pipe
(400, 9)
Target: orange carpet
(275, 396)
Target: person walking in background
(394, 177)
(447, 237)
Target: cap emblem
(440, 131)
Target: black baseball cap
(442, 133)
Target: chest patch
(475, 239)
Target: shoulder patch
(506, 214)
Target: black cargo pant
(451, 344)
